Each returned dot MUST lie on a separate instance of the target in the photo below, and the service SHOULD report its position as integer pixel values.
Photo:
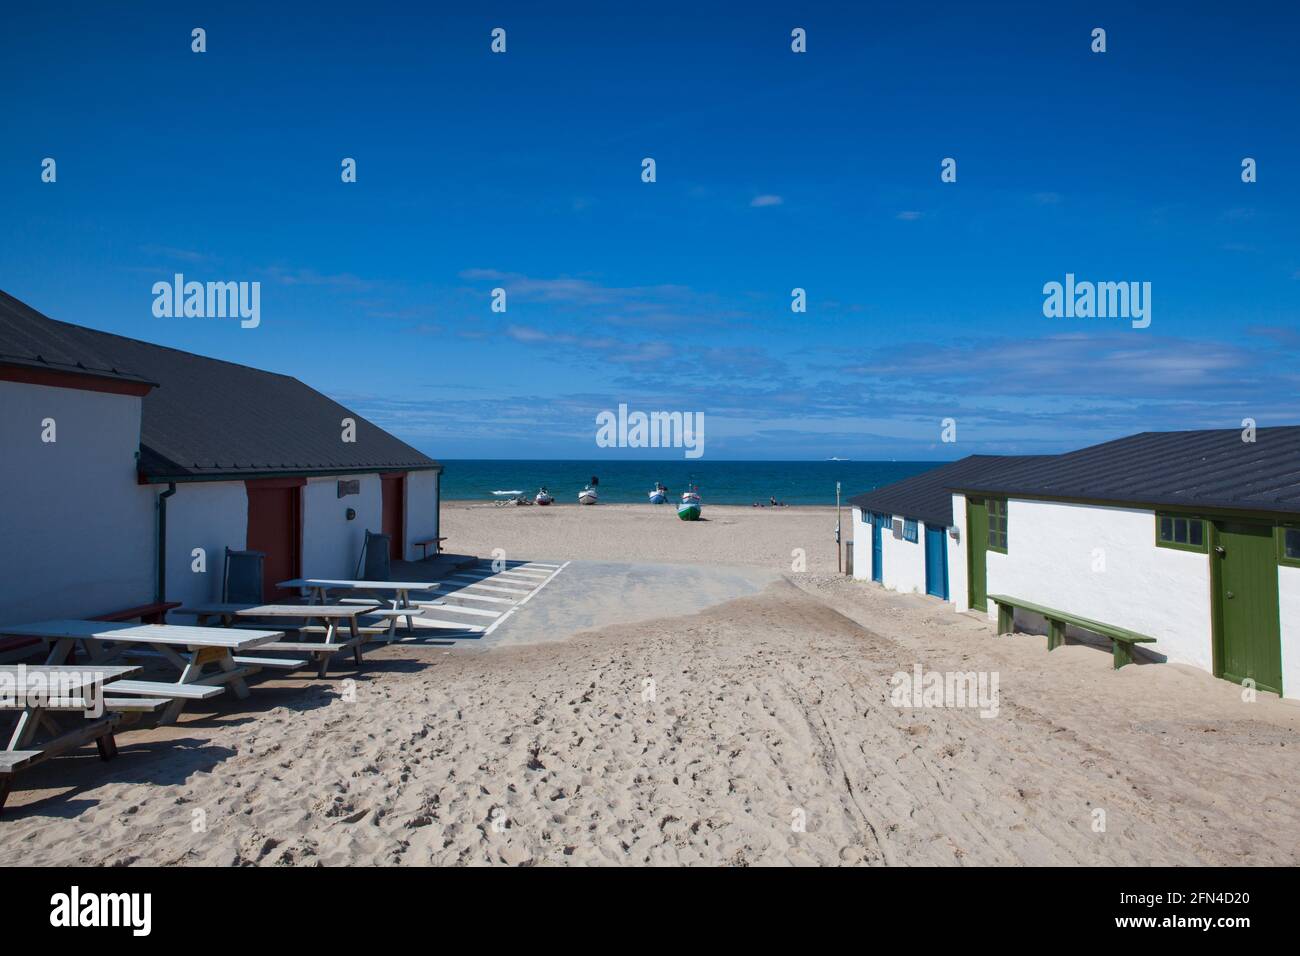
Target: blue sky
(775, 171)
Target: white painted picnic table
(401, 600)
(329, 614)
(188, 648)
(32, 686)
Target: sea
(720, 482)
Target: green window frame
(1288, 545)
(997, 510)
(909, 530)
(1182, 532)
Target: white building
(128, 468)
(1189, 538)
(903, 533)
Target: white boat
(544, 497)
(659, 495)
(689, 509)
(587, 496)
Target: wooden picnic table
(401, 600)
(328, 614)
(190, 649)
(31, 687)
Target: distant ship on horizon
(839, 459)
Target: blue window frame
(909, 530)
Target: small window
(909, 530)
(1288, 546)
(1180, 531)
(997, 524)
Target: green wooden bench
(1121, 640)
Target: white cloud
(767, 199)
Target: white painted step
(459, 610)
(453, 625)
(499, 590)
(469, 597)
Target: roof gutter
(254, 475)
(1206, 508)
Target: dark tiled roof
(1207, 469)
(928, 496)
(208, 418)
(53, 346)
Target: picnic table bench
(16, 648)
(190, 649)
(32, 686)
(319, 588)
(1121, 639)
(320, 651)
(426, 543)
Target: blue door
(877, 549)
(936, 563)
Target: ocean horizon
(629, 481)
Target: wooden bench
(1121, 639)
(17, 648)
(136, 705)
(152, 688)
(319, 651)
(435, 543)
(155, 613)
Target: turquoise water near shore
(721, 482)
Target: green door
(1247, 627)
(977, 543)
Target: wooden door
(977, 543)
(275, 529)
(1247, 618)
(877, 549)
(394, 513)
(936, 562)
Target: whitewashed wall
(331, 544)
(958, 580)
(421, 510)
(1288, 586)
(212, 515)
(1161, 592)
(903, 560)
(78, 527)
(861, 546)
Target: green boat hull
(688, 512)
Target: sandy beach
(760, 730)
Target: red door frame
(397, 547)
(296, 532)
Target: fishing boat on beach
(587, 496)
(689, 509)
(659, 495)
(544, 497)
